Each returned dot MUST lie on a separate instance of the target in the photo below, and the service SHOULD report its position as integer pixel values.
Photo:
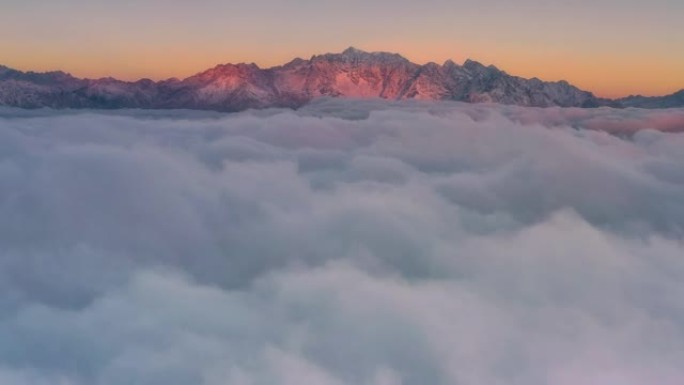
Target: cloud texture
(346, 243)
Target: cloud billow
(349, 242)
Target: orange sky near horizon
(609, 47)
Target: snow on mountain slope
(352, 73)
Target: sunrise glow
(604, 47)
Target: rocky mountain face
(352, 73)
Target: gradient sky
(610, 47)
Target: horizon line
(350, 48)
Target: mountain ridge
(353, 73)
(673, 100)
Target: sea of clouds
(349, 242)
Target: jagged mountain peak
(351, 50)
(432, 65)
(293, 63)
(350, 73)
(356, 52)
(231, 67)
(353, 54)
(227, 71)
(474, 65)
(449, 63)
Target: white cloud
(345, 243)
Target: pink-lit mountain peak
(228, 70)
(351, 73)
(353, 54)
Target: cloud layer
(346, 243)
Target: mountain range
(352, 73)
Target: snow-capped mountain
(352, 73)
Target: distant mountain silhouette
(667, 101)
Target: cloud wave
(349, 242)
